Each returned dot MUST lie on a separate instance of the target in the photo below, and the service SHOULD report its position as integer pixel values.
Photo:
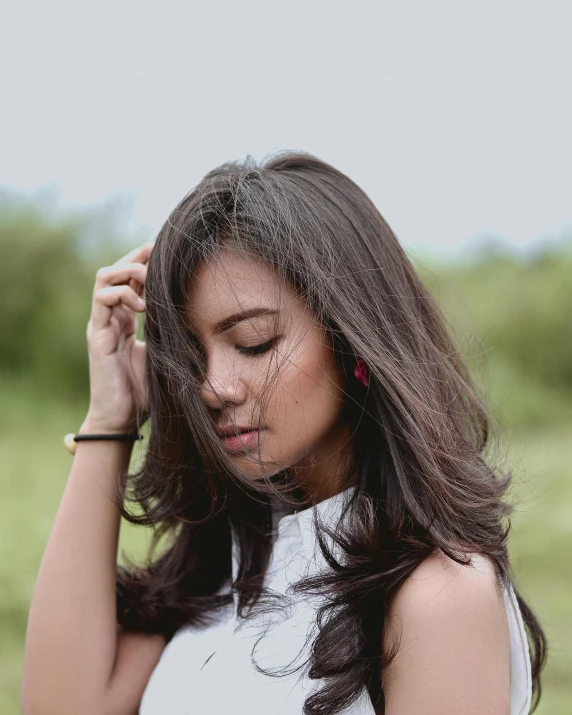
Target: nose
(223, 384)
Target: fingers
(118, 273)
(106, 298)
(122, 283)
(126, 319)
(138, 255)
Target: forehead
(231, 282)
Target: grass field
(35, 466)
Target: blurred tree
(47, 272)
(512, 316)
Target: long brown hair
(422, 478)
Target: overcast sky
(455, 117)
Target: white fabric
(208, 671)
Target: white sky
(455, 117)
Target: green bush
(47, 272)
(512, 321)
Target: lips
(234, 430)
(237, 442)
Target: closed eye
(256, 349)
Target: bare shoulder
(438, 581)
(448, 622)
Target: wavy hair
(421, 476)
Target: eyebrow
(232, 320)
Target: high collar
(298, 528)
(300, 525)
(328, 510)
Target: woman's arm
(74, 660)
(454, 655)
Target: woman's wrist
(91, 425)
(96, 431)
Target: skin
(455, 642)
(451, 618)
(303, 429)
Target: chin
(253, 471)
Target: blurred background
(455, 118)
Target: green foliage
(512, 321)
(47, 273)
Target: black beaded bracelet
(71, 440)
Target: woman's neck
(325, 472)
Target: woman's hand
(118, 387)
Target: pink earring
(361, 371)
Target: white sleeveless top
(208, 670)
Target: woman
(336, 541)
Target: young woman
(335, 539)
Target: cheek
(308, 397)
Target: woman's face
(301, 428)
